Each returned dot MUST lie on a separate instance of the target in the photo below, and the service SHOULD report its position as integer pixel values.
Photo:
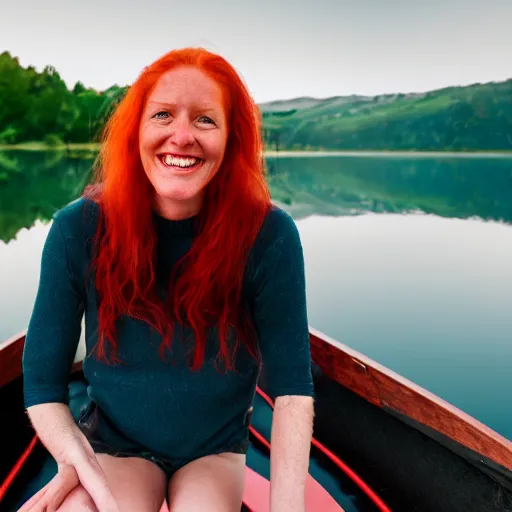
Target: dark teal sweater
(166, 407)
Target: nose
(182, 133)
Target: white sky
(282, 49)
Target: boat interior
(371, 451)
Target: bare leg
(214, 483)
(78, 500)
(137, 484)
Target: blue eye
(206, 119)
(161, 112)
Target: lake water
(408, 259)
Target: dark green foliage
(52, 140)
(39, 107)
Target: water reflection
(33, 185)
(450, 187)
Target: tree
(79, 88)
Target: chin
(178, 193)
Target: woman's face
(182, 138)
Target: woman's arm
(56, 429)
(55, 324)
(76, 461)
(280, 316)
(51, 343)
(292, 428)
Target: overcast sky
(282, 48)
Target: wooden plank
(11, 353)
(385, 388)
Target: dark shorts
(88, 424)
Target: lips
(180, 162)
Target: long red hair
(205, 288)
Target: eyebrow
(197, 107)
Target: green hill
(39, 107)
(476, 117)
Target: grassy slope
(470, 118)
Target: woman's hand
(82, 468)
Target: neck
(178, 210)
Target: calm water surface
(408, 260)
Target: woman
(190, 280)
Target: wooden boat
(380, 443)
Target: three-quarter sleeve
(55, 324)
(279, 310)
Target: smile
(181, 162)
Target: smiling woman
(189, 281)
(179, 167)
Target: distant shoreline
(41, 146)
(392, 153)
(94, 146)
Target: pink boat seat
(257, 495)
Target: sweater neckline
(188, 226)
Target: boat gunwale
(11, 352)
(398, 395)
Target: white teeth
(180, 162)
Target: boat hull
(407, 451)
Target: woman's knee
(78, 500)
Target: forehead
(187, 86)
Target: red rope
(17, 467)
(259, 437)
(349, 472)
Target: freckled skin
(184, 115)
